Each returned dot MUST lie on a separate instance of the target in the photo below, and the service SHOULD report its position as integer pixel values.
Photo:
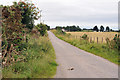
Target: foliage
(15, 21)
(48, 27)
(23, 55)
(101, 28)
(30, 13)
(1, 5)
(107, 29)
(96, 29)
(115, 43)
(69, 28)
(13, 35)
(39, 61)
(58, 28)
(85, 37)
(42, 28)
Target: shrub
(85, 37)
(30, 13)
(115, 43)
(14, 20)
(12, 30)
(42, 28)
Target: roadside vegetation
(39, 60)
(107, 50)
(26, 49)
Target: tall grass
(39, 61)
(102, 50)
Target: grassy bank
(40, 61)
(102, 50)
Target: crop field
(94, 36)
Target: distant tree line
(69, 28)
(77, 28)
(102, 29)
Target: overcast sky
(84, 13)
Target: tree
(48, 27)
(30, 13)
(42, 28)
(96, 28)
(119, 30)
(72, 28)
(58, 27)
(107, 29)
(111, 30)
(78, 28)
(101, 28)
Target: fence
(92, 39)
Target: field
(94, 35)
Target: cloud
(78, 12)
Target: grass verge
(40, 61)
(101, 50)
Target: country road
(84, 64)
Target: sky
(83, 13)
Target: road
(84, 64)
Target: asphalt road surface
(76, 63)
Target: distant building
(63, 30)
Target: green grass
(102, 50)
(40, 62)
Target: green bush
(16, 18)
(42, 28)
(30, 13)
(115, 43)
(85, 36)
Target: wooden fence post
(90, 39)
(102, 39)
(94, 39)
(97, 39)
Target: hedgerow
(17, 20)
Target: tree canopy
(96, 28)
(107, 29)
(101, 28)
